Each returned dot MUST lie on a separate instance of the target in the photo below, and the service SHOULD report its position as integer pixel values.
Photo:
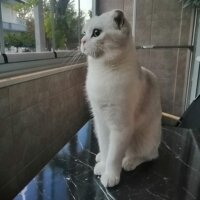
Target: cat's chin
(94, 56)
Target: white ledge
(20, 57)
(35, 75)
(198, 58)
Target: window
(39, 30)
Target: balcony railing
(14, 27)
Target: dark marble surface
(175, 175)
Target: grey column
(52, 2)
(94, 8)
(1, 33)
(79, 23)
(39, 27)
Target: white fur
(124, 100)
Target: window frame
(16, 62)
(26, 62)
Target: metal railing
(190, 47)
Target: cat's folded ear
(119, 18)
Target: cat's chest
(100, 85)
(107, 86)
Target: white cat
(124, 98)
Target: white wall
(9, 15)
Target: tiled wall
(37, 118)
(161, 22)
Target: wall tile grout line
(177, 61)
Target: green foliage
(195, 3)
(18, 39)
(21, 39)
(66, 24)
(65, 19)
(23, 9)
(13, 39)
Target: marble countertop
(175, 175)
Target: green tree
(24, 10)
(21, 39)
(13, 39)
(66, 24)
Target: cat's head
(106, 34)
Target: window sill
(22, 62)
(27, 76)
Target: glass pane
(18, 26)
(68, 22)
(43, 25)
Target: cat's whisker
(77, 58)
(79, 55)
(68, 59)
(101, 48)
(74, 57)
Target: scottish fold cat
(124, 98)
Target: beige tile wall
(161, 22)
(167, 24)
(37, 118)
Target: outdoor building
(9, 17)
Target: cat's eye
(96, 32)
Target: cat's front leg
(102, 136)
(119, 140)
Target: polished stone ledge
(175, 175)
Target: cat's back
(150, 91)
(150, 80)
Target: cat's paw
(110, 179)
(99, 168)
(98, 157)
(129, 164)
